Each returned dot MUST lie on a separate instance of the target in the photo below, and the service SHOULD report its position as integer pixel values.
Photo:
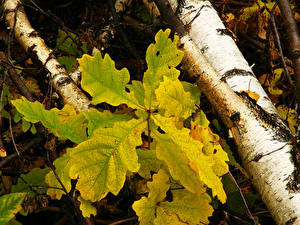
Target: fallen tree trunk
(30, 40)
(263, 140)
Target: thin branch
(286, 71)
(294, 40)
(15, 77)
(33, 142)
(12, 138)
(243, 199)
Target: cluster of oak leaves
(184, 152)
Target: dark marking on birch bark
(222, 31)
(235, 72)
(291, 221)
(294, 180)
(33, 34)
(204, 49)
(63, 81)
(197, 14)
(235, 117)
(268, 120)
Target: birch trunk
(224, 76)
(29, 39)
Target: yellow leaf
(290, 116)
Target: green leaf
(162, 58)
(101, 162)
(137, 89)
(62, 166)
(65, 123)
(145, 207)
(17, 117)
(193, 90)
(103, 81)
(33, 129)
(189, 208)
(68, 45)
(35, 177)
(173, 100)
(10, 205)
(106, 119)
(25, 125)
(148, 162)
(68, 61)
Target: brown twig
(124, 220)
(15, 77)
(286, 71)
(294, 40)
(33, 142)
(2, 147)
(168, 16)
(243, 199)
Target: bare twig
(15, 77)
(12, 138)
(243, 199)
(33, 142)
(286, 71)
(124, 220)
(294, 40)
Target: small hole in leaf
(157, 53)
(215, 151)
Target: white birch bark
(256, 126)
(29, 39)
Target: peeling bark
(30, 40)
(263, 140)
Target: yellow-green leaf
(193, 90)
(10, 205)
(289, 115)
(189, 208)
(273, 89)
(137, 90)
(177, 161)
(173, 100)
(65, 123)
(202, 164)
(145, 208)
(87, 208)
(35, 177)
(101, 163)
(106, 119)
(149, 162)
(62, 166)
(162, 58)
(103, 81)
(163, 217)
